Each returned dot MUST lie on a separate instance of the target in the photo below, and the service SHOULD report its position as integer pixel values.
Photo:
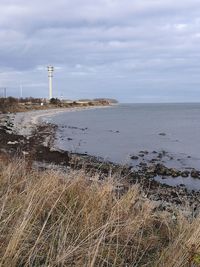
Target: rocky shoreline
(37, 149)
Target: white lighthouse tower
(50, 75)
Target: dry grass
(56, 219)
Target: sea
(134, 133)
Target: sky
(132, 50)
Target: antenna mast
(5, 93)
(21, 91)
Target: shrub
(55, 101)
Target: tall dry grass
(56, 219)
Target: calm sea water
(117, 132)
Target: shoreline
(35, 145)
(24, 122)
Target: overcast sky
(132, 50)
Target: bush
(55, 101)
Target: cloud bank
(136, 51)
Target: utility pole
(50, 75)
(5, 92)
(21, 91)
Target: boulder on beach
(134, 157)
(195, 174)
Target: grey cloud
(145, 47)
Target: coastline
(24, 122)
(28, 138)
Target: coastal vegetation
(55, 218)
(11, 104)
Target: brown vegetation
(11, 104)
(69, 219)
